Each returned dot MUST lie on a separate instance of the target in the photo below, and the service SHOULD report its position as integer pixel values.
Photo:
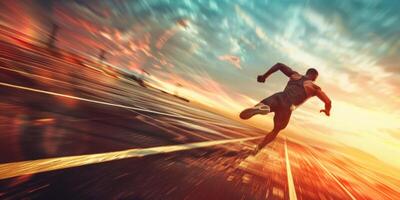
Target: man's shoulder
(296, 76)
(315, 86)
(311, 84)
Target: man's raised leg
(260, 108)
(281, 120)
(267, 139)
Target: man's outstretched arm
(323, 97)
(278, 66)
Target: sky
(211, 51)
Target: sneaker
(255, 150)
(257, 109)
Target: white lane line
(334, 177)
(9, 170)
(91, 100)
(292, 190)
(103, 103)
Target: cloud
(165, 37)
(234, 60)
(317, 20)
(391, 63)
(252, 24)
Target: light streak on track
(64, 82)
(159, 124)
(91, 100)
(333, 177)
(9, 170)
(142, 109)
(55, 80)
(292, 190)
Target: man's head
(312, 74)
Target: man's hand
(327, 113)
(261, 78)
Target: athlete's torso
(299, 89)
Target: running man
(298, 89)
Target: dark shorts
(280, 105)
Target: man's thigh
(281, 119)
(273, 102)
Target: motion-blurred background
(209, 53)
